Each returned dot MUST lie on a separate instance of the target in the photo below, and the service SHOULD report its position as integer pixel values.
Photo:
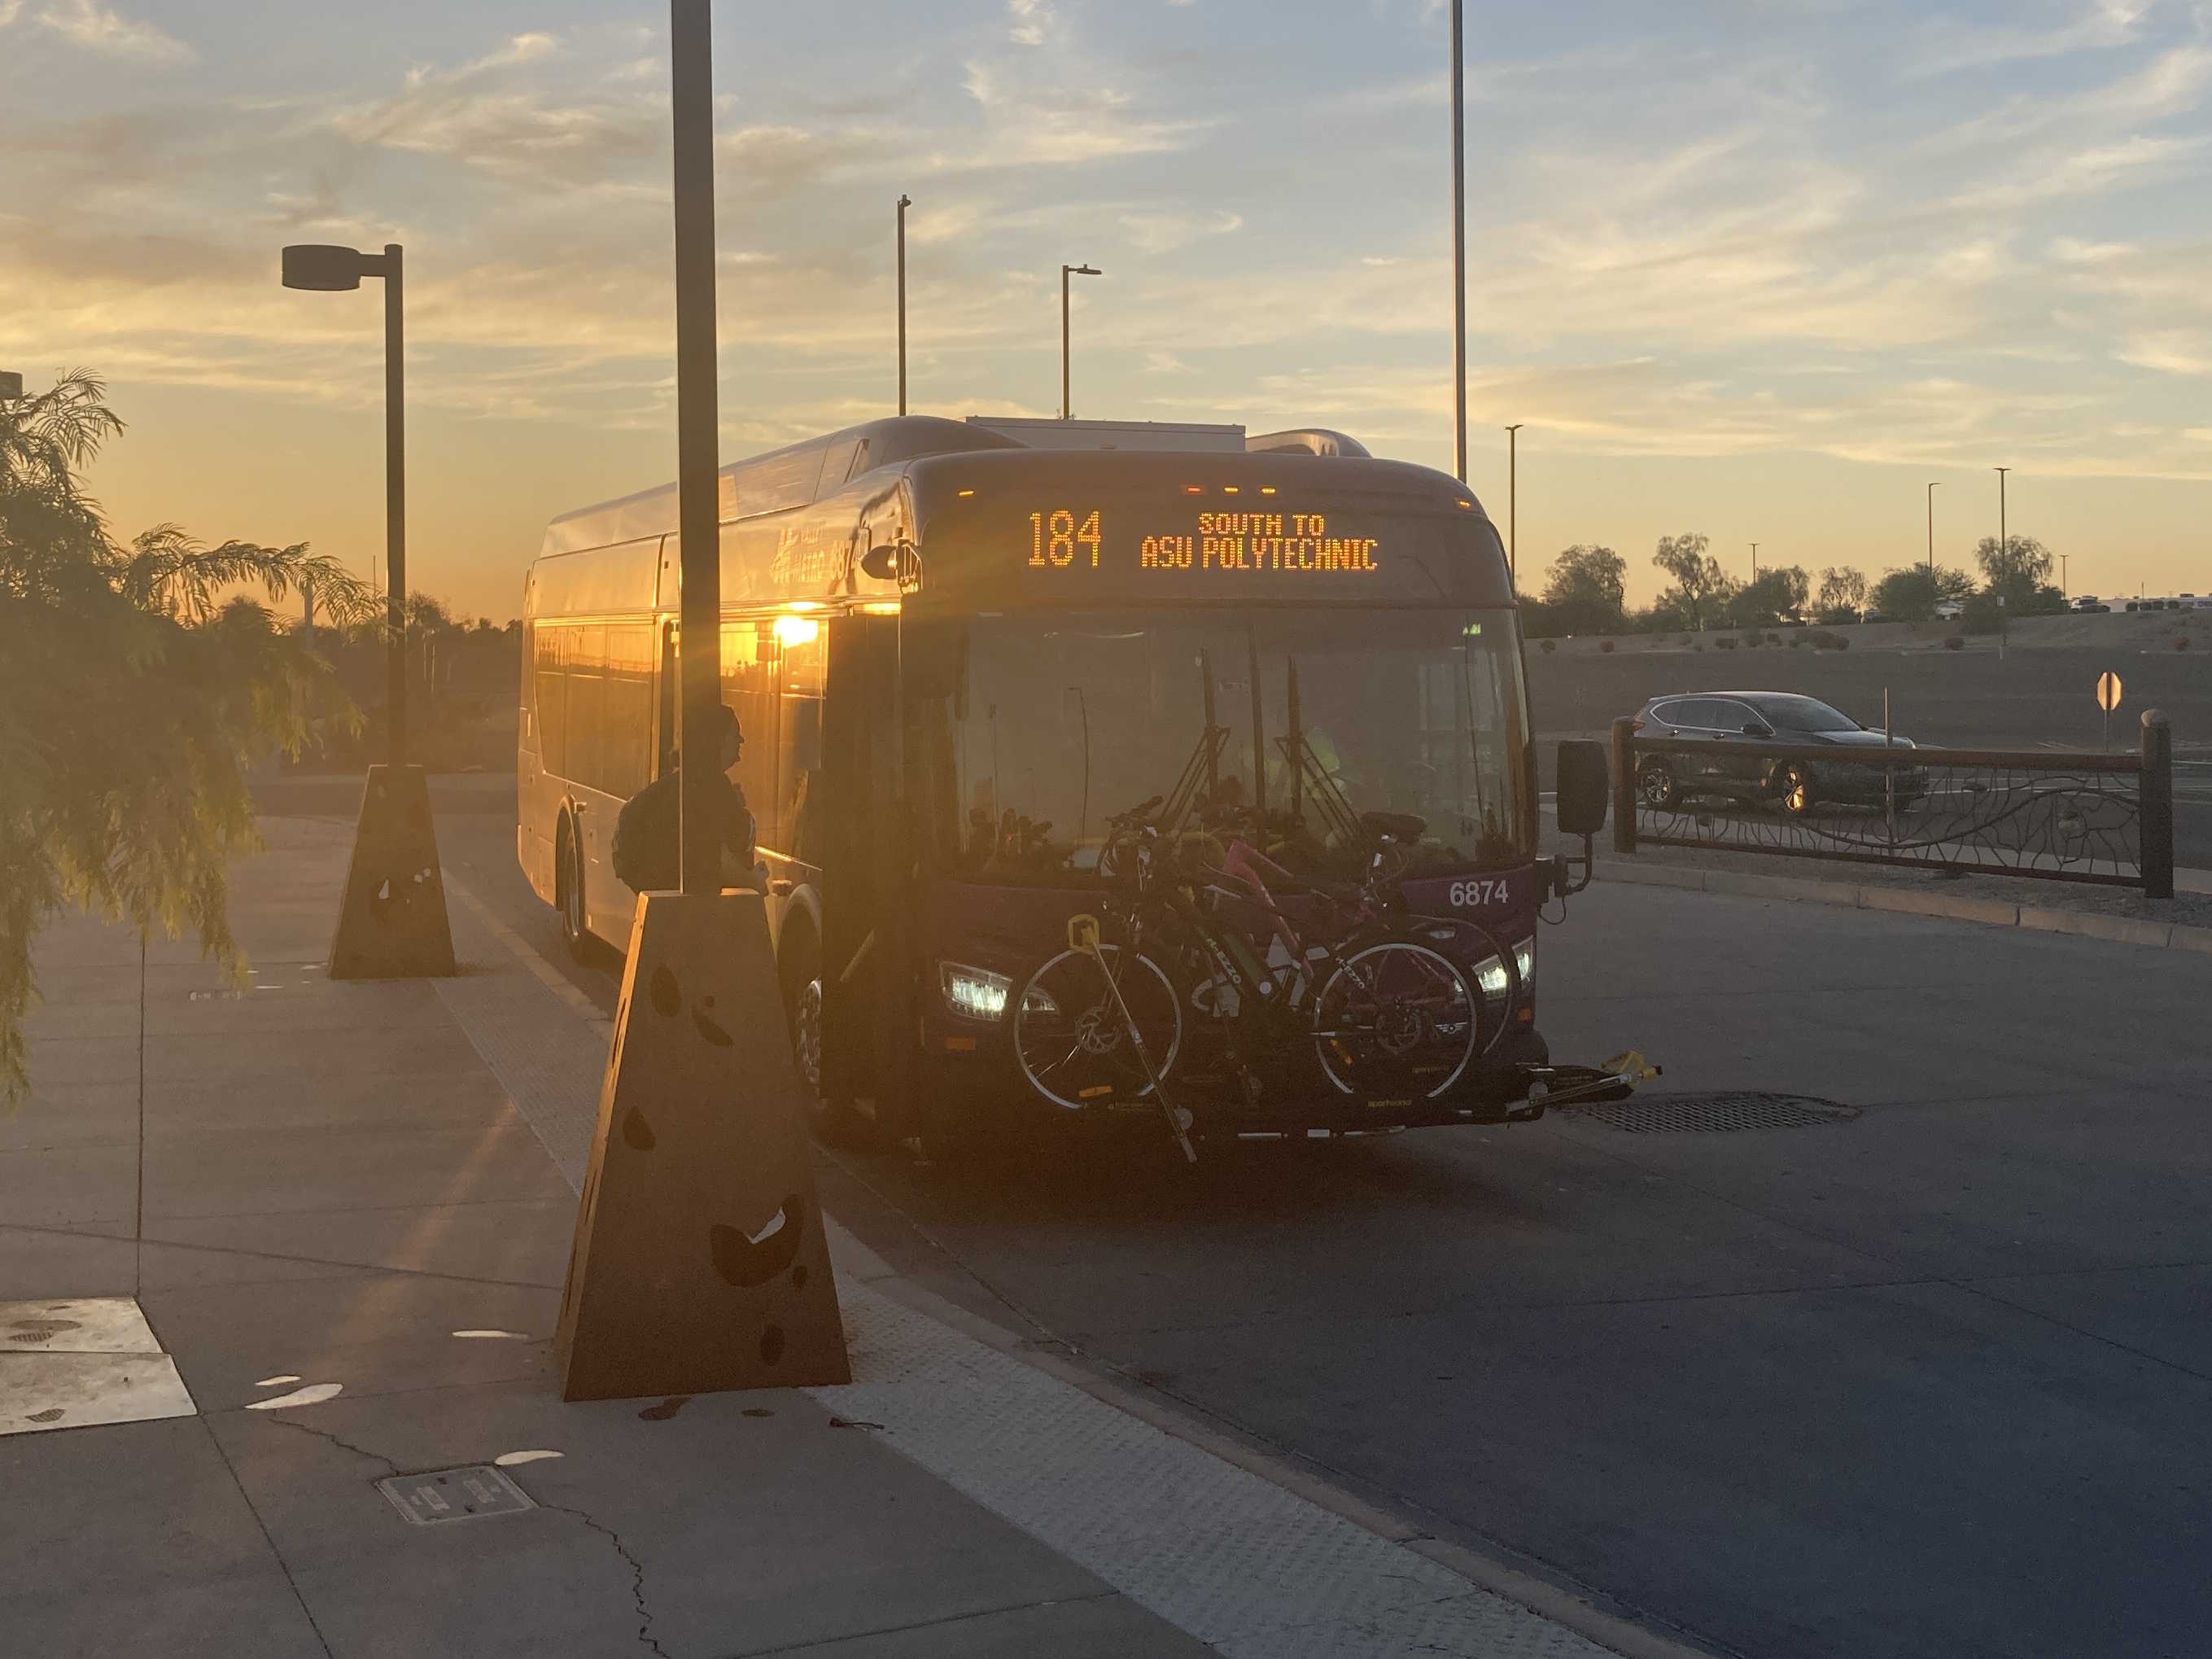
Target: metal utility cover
(462, 1494)
(1721, 1112)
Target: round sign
(2108, 691)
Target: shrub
(1548, 645)
(1775, 639)
(1956, 642)
(1723, 643)
(1605, 645)
(1796, 639)
(1751, 641)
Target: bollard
(2157, 799)
(391, 917)
(1624, 785)
(700, 1263)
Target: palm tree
(137, 685)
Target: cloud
(1029, 18)
(2170, 351)
(1945, 47)
(1163, 233)
(492, 114)
(100, 28)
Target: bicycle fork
(1083, 936)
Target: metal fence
(2053, 815)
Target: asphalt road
(2033, 699)
(1932, 1381)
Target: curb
(1561, 1604)
(1988, 912)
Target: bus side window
(552, 690)
(585, 663)
(749, 673)
(627, 741)
(798, 742)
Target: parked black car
(1719, 721)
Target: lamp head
(1082, 270)
(322, 269)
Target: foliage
(1777, 593)
(136, 687)
(1843, 594)
(1912, 594)
(1587, 590)
(1702, 589)
(1955, 642)
(2019, 570)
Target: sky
(1762, 269)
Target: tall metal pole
(395, 503)
(1754, 562)
(2064, 592)
(903, 204)
(1931, 532)
(2005, 540)
(1459, 247)
(690, 46)
(1065, 411)
(1512, 495)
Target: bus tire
(799, 970)
(569, 892)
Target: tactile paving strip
(1254, 1571)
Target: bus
(962, 651)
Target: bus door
(868, 1008)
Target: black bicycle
(1167, 983)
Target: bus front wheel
(835, 1122)
(568, 893)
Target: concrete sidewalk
(346, 1211)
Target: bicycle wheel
(1395, 1021)
(1075, 1048)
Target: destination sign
(1080, 539)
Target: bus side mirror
(880, 563)
(1585, 786)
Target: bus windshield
(1034, 729)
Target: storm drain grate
(462, 1494)
(1718, 1113)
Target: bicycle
(1387, 1017)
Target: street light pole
(903, 204)
(1512, 493)
(391, 922)
(1931, 532)
(2064, 592)
(1754, 562)
(1066, 411)
(317, 268)
(395, 497)
(1459, 244)
(690, 45)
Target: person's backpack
(648, 837)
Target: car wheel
(568, 893)
(1655, 786)
(1793, 785)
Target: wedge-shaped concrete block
(700, 1263)
(392, 922)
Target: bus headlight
(1492, 975)
(973, 993)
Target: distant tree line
(1587, 591)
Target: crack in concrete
(645, 1636)
(390, 1467)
